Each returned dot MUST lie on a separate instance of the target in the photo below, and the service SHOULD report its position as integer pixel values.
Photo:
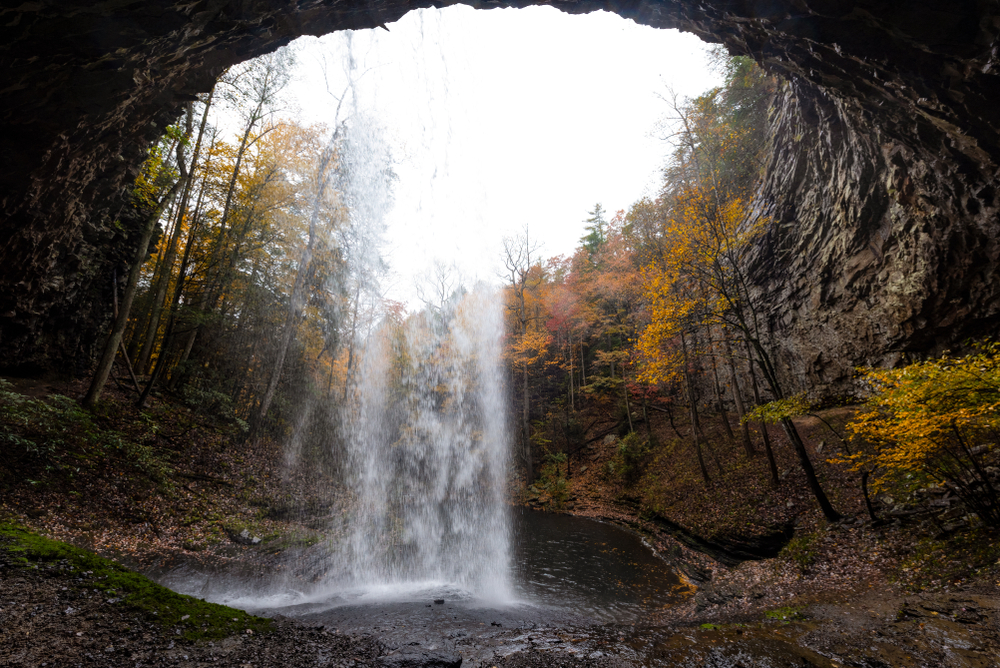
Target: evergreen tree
(596, 230)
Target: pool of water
(594, 569)
(564, 570)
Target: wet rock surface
(412, 656)
(879, 247)
(883, 173)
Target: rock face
(879, 248)
(881, 183)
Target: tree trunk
(738, 400)
(720, 407)
(182, 273)
(572, 373)
(351, 341)
(868, 500)
(763, 427)
(170, 252)
(138, 332)
(121, 319)
(645, 418)
(695, 422)
(817, 489)
(296, 301)
(219, 249)
(525, 427)
(628, 407)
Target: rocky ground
(50, 616)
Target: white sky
(504, 118)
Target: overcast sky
(504, 118)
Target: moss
(293, 539)
(785, 614)
(196, 619)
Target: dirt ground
(51, 619)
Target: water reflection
(572, 563)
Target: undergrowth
(801, 550)
(628, 461)
(937, 562)
(552, 479)
(55, 441)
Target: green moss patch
(194, 618)
(785, 614)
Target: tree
(321, 180)
(523, 276)
(147, 195)
(937, 420)
(596, 232)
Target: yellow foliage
(694, 283)
(529, 349)
(155, 172)
(928, 416)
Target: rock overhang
(87, 87)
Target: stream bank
(919, 586)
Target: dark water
(571, 578)
(594, 569)
(565, 569)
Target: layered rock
(882, 182)
(879, 250)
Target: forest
(257, 287)
(654, 337)
(260, 261)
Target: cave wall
(881, 181)
(879, 250)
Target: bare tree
(517, 258)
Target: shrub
(628, 461)
(939, 419)
(552, 478)
(43, 437)
(801, 550)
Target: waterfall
(426, 433)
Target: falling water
(428, 445)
